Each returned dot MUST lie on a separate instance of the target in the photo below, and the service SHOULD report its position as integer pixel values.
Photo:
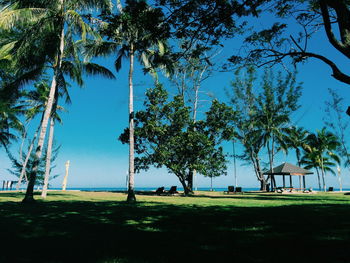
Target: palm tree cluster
(58, 39)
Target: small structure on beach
(287, 169)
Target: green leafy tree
(263, 114)
(166, 135)
(243, 100)
(277, 101)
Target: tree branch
(327, 25)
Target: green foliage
(263, 113)
(165, 135)
(17, 165)
(31, 38)
(10, 111)
(320, 152)
(334, 120)
(139, 29)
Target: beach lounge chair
(239, 190)
(160, 190)
(230, 190)
(173, 190)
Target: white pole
(64, 184)
(339, 178)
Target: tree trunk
(24, 166)
(187, 190)
(319, 179)
(190, 180)
(270, 154)
(131, 191)
(323, 177)
(263, 185)
(48, 158)
(261, 178)
(29, 196)
(256, 163)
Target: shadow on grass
(78, 231)
(275, 197)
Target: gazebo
(291, 170)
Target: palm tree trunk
(29, 196)
(319, 179)
(271, 166)
(131, 192)
(48, 158)
(24, 166)
(323, 176)
(257, 167)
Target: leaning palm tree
(312, 160)
(48, 31)
(322, 145)
(35, 101)
(295, 138)
(137, 30)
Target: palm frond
(95, 69)
(10, 18)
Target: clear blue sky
(89, 134)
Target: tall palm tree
(322, 145)
(48, 32)
(135, 31)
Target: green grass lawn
(210, 227)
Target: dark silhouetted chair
(160, 190)
(173, 190)
(230, 190)
(239, 190)
(330, 189)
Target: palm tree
(35, 101)
(277, 101)
(137, 30)
(48, 35)
(312, 160)
(320, 150)
(295, 138)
